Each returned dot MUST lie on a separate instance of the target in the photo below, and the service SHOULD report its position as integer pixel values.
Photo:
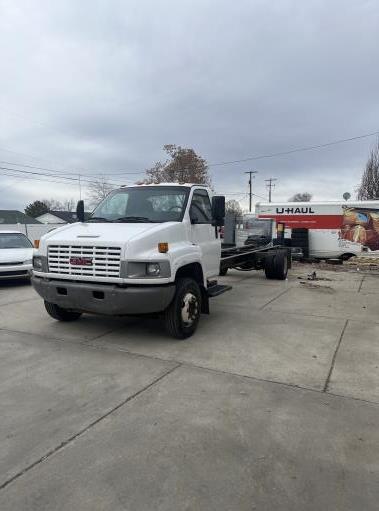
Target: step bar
(217, 289)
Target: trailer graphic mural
(361, 225)
(336, 229)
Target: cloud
(103, 86)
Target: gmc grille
(98, 261)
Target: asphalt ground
(272, 405)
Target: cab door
(203, 233)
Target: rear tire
(60, 314)
(346, 257)
(223, 272)
(182, 315)
(276, 266)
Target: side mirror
(80, 211)
(218, 210)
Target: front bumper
(108, 299)
(16, 271)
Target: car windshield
(142, 205)
(14, 240)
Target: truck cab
(145, 249)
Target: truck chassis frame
(258, 258)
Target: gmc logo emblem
(81, 261)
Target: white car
(16, 255)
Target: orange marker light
(163, 247)
(36, 243)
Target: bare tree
(301, 197)
(56, 205)
(232, 206)
(369, 187)
(184, 166)
(98, 190)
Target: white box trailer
(335, 229)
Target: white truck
(146, 249)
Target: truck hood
(88, 233)
(15, 255)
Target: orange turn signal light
(36, 243)
(163, 247)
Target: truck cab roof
(184, 185)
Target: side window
(201, 207)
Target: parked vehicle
(332, 229)
(145, 249)
(16, 254)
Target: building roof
(12, 216)
(67, 216)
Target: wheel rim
(190, 309)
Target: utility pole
(250, 172)
(270, 186)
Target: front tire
(60, 314)
(182, 316)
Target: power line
(297, 150)
(61, 177)
(215, 164)
(242, 193)
(53, 170)
(283, 153)
(33, 178)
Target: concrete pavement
(273, 404)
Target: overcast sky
(100, 86)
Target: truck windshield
(257, 227)
(143, 204)
(14, 240)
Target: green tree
(184, 166)
(36, 208)
(369, 187)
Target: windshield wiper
(98, 219)
(132, 219)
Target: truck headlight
(153, 269)
(37, 263)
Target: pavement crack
(87, 428)
(275, 298)
(327, 381)
(361, 284)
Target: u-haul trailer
(335, 229)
